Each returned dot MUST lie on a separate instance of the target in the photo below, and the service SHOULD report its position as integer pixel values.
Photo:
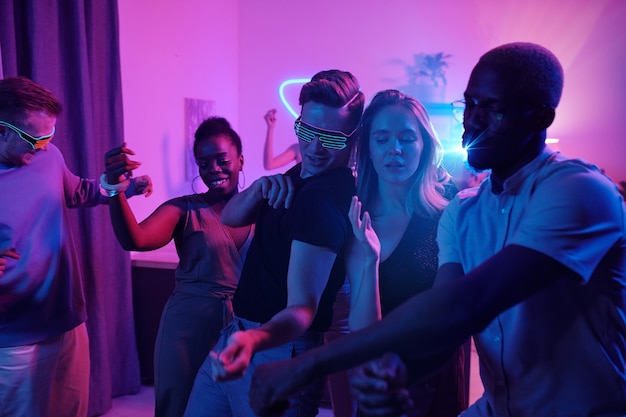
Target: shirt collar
(514, 182)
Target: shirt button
(496, 339)
(504, 211)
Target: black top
(412, 266)
(410, 269)
(318, 216)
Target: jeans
(46, 379)
(223, 399)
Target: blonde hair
(426, 194)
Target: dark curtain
(72, 48)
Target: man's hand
(276, 189)
(7, 253)
(140, 185)
(379, 387)
(232, 362)
(273, 383)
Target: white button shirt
(561, 352)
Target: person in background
(402, 191)
(44, 347)
(533, 265)
(296, 262)
(211, 255)
(291, 154)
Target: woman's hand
(363, 231)
(117, 165)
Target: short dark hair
(538, 71)
(20, 94)
(335, 88)
(214, 126)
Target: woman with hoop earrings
(211, 255)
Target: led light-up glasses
(331, 139)
(35, 143)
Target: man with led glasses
(330, 139)
(44, 348)
(295, 265)
(533, 266)
(35, 142)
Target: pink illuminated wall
(170, 51)
(284, 39)
(237, 53)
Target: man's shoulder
(49, 159)
(575, 174)
(557, 164)
(53, 151)
(337, 178)
(336, 184)
(325, 196)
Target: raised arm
(152, 233)
(362, 264)
(85, 192)
(270, 161)
(155, 231)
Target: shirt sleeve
(575, 216)
(79, 192)
(318, 218)
(446, 234)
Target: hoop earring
(241, 174)
(193, 184)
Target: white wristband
(111, 190)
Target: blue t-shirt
(41, 294)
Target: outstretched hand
(233, 361)
(276, 189)
(117, 165)
(379, 387)
(362, 229)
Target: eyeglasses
(35, 143)
(490, 112)
(331, 139)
